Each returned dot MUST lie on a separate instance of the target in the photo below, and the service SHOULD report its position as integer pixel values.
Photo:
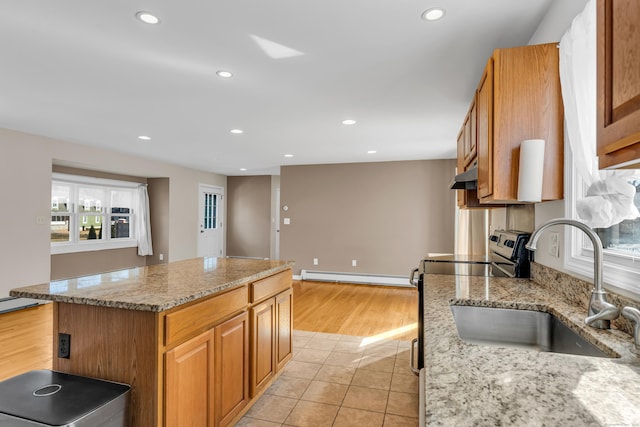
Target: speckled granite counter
(480, 385)
(157, 287)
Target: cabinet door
(189, 375)
(484, 108)
(618, 82)
(232, 368)
(284, 328)
(262, 345)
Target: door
(232, 367)
(189, 377)
(210, 221)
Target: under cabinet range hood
(467, 180)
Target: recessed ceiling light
(433, 14)
(349, 122)
(236, 131)
(243, 169)
(147, 18)
(371, 152)
(288, 155)
(144, 137)
(224, 74)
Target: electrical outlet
(554, 244)
(64, 346)
(354, 263)
(161, 257)
(315, 261)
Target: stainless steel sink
(520, 328)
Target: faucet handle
(633, 314)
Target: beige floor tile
(335, 374)
(401, 366)
(347, 360)
(321, 344)
(377, 363)
(391, 420)
(323, 392)
(366, 398)
(311, 355)
(403, 383)
(349, 347)
(299, 333)
(349, 417)
(289, 387)
(312, 414)
(326, 336)
(404, 404)
(253, 422)
(404, 354)
(351, 338)
(300, 341)
(390, 350)
(272, 408)
(372, 379)
(301, 369)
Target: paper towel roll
(531, 170)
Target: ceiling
(89, 72)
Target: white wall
(25, 173)
(553, 26)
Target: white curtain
(142, 222)
(609, 197)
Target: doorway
(210, 221)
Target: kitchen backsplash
(578, 291)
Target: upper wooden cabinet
(618, 77)
(518, 97)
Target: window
(621, 242)
(90, 214)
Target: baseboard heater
(368, 279)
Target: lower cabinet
(207, 381)
(231, 368)
(189, 380)
(271, 347)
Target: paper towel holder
(531, 170)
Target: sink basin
(520, 328)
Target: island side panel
(117, 345)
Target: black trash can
(49, 398)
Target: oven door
(501, 266)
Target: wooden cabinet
(618, 76)
(262, 349)
(189, 378)
(518, 97)
(271, 330)
(231, 368)
(191, 365)
(284, 328)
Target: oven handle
(412, 277)
(412, 355)
(494, 264)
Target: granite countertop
(157, 287)
(470, 384)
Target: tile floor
(340, 380)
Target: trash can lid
(55, 398)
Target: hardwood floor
(360, 310)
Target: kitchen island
(475, 384)
(198, 340)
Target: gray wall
(25, 171)
(386, 215)
(249, 216)
(159, 202)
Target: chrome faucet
(600, 311)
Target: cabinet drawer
(270, 286)
(184, 322)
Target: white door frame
(211, 189)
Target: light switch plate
(287, 221)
